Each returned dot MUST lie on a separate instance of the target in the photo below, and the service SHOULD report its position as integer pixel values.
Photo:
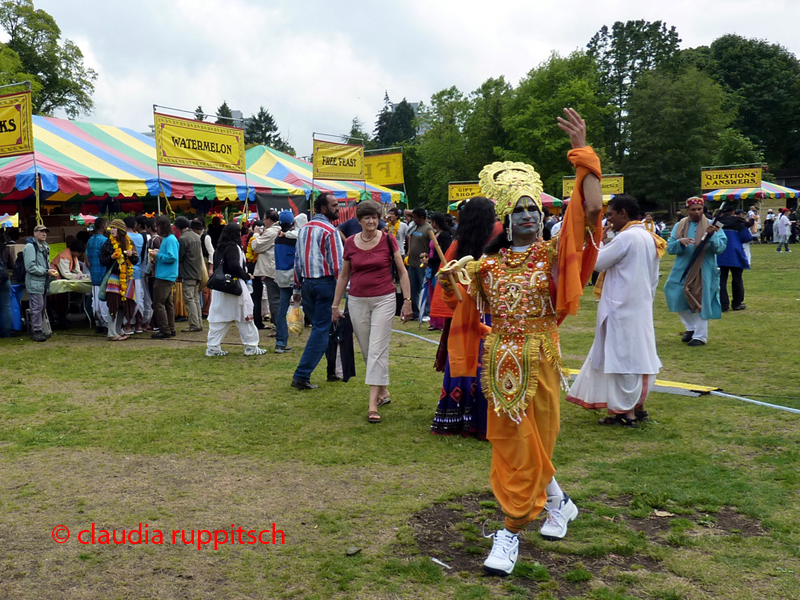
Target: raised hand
(574, 126)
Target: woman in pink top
(367, 266)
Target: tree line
(655, 112)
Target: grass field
(701, 503)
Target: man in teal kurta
(697, 300)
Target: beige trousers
(372, 319)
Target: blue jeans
(416, 276)
(318, 298)
(5, 308)
(281, 327)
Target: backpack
(19, 269)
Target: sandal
(641, 415)
(384, 401)
(618, 420)
(373, 416)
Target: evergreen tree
(383, 122)
(224, 114)
(261, 129)
(198, 114)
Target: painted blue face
(526, 218)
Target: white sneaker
(503, 556)
(254, 351)
(426, 319)
(212, 352)
(555, 527)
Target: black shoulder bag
(223, 282)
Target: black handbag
(223, 282)
(395, 274)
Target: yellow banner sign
(16, 125)
(384, 169)
(198, 145)
(338, 161)
(462, 191)
(611, 184)
(736, 177)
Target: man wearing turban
(696, 300)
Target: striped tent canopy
(767, 190)
(264, 161)
(84, 159)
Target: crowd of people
(498, 286)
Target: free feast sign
(463, 190)
(733, 177)
(198, 145)
(16, 126)
(384, 169)
(338, 161)
(613, 183)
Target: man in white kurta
(622, 364)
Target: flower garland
(125, 271)
(395, 228)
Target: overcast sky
(315, 65)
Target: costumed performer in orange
(529, 286)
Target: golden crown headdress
(507, 182)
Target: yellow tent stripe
(125, 180)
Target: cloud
(315, 65)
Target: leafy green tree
(624, 54)
(530, 115)
(762, 79)
(199, 115)
(675, 121)
(442, 150)
(486, 137)
(224, 114)
(735, 149)
(11, 70)
(64, 81)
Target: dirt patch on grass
(318, 509)
(452, 532)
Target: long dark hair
(500, 240)
(475, 224)
(441, 222)
(231, 234)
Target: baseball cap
(286, 217)
(40, 228)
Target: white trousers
(144, 304)
(693, 322)
(618, 392)
(99, 308)
(217, 331)
(372, 319)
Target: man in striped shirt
(316, 269)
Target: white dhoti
(618, 392)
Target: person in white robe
(225, 308)
(622, 365)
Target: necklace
(369, 240)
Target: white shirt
(624, 340)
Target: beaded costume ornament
(507, 182)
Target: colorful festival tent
(765, 191)
(263, 161)
(100, 161)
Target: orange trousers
(522, 453)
